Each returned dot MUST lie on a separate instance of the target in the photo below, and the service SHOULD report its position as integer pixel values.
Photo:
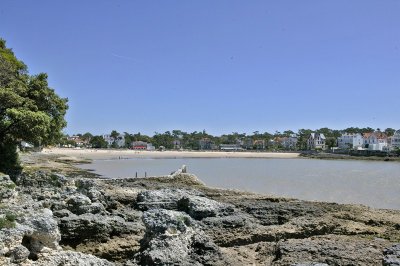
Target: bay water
(372, 183)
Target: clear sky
(222, 66)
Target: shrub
(8, 221)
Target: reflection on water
(376, 184)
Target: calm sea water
(376, 184)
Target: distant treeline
(183, 140)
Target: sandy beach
(115, 154)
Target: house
(289, 143)
(316, 141)
(139, 145)
(230, 147)
(206, 144)
(395, 140)
(247, 143)
(150, 147)
(259, 144)
(375, 141)
(177, 144)
(350, 141)
(142, 145)
(119, 141)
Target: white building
(376, 141)
(350, 141)
(395, 140)
(119, 141)
(230, 147)
(316, 141)
(289, 143)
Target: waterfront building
(350, 141)
(259, 144)
(230, 147)
(316, 141)
(139, 145)
(177, 144)
(119, 141)
(142, 145)
(247, 143)
(395, 140)
(206, 144)
(375, 141)
(150, 147)
(78, 141)
(289, 143)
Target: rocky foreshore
(54, 214)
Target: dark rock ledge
(57, 219)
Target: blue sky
(222, 66)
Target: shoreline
(96, 154)
(345, 157)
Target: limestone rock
(190, 201)
(163, 198)
(173, 238)
(391, 256)
(78, 228)
(70, 258)
(332, 250)
(33, 234)
(19, 254)
(7, 187)
(202, 207)
(80, 204)
(44, 233)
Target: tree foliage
(98, 142)
(29, 109)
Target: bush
(8, 221)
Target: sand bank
(115, 154)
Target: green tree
(128, 139)
(303, 135)
(87, 136)
(287, 133)
(98, 142)
(331, 142)
(115, 136)
(390, 131)
(29, 109)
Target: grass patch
(8, 221)
(10, 186)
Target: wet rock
(391, 256)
